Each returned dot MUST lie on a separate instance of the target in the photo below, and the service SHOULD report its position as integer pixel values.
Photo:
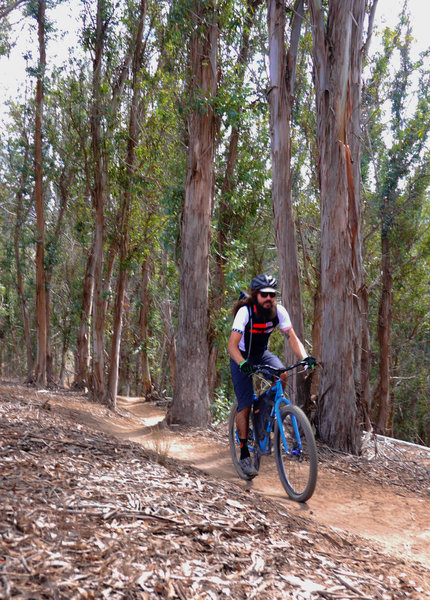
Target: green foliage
(220, 407)
(5, 41)
(396, 175)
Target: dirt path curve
(397, 520)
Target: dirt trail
(398, 520)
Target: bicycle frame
(263, 445)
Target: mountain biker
(255, 317)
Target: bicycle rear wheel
(234, 444)
(298, 465)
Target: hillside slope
(86, 514)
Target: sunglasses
(265, 294)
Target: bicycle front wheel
(297, 463)
(233, 440)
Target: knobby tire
(298, 473)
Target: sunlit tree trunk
(102, 112)
(22, 300)
(337, 68)
(41, 312)
(122, 279)
(191, 399)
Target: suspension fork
(279, 401)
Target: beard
(268, 314)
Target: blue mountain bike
(287, 429)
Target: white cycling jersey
(241, 320)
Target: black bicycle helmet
(263, 281)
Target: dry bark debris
(385, 460)
(84, 515)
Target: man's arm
(295, 344)
(233, 346)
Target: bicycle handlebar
(278, 372)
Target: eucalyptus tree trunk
(361, 307)
(280, 96)
(226, 217)
(122, 279)
(337, 68)
(41, 312)
(282, 66)
(98, 379)
(191, 399)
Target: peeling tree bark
(337, 67)
(191, 398)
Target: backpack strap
(250, 329)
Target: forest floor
(96, 504)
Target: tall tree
(337, 44)
(98, 381)
(191, 398)
(133, 137)
(281, 96)
(282, 65)
(41, 298)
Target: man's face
(266, 299)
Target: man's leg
(242, 426)
(244, 391)
(242, 422)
